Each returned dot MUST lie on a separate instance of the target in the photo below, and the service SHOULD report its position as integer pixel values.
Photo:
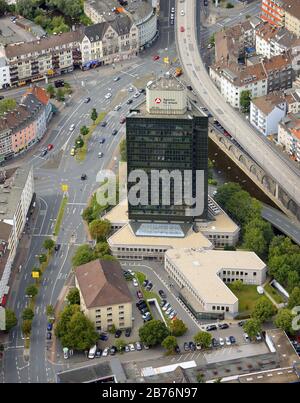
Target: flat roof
(201, 269)
(125, 237)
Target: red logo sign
(157, 100)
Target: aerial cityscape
(149, 193)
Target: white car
(228, 342)
(182, 13)
(108, 95)
(135, 282)
(130, 89)
(117, 108)
(100, 155)
(105, 352)
(72, 127)
(246, 337)
(136, 95)
(221, 341)
(131, 272)
(172, 315)
(169, 310)
(131, 346)
(66, 355)
(165, 307)
(198, 346)
(258, 337)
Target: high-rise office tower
(167, 134)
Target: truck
(178, 72)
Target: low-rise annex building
(104, 294)
(201, 277)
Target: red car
(139, 294)
(50, 147)
(156, 57)
(122, 120)
(182, 29)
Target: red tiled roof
(39, 93)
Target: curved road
(272, 162)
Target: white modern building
(4, 73)
(266, 112)
(201, 277)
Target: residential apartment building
(16, 194)
(273, 12)
(201, 278)
(231, 42)
(141, 13)
(292, 16)
(267, 111)
(289, 135)
(104, 294)
(23, 126)
(4, 74)
(260, 78)
(106, 43)
(32, 61)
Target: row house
(289, 135)
(266, 75)
(282, 13)
(32, 61)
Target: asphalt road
(50, 173)
(283, 170)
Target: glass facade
(163, 143)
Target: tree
(263, 310)
(99, 229)
(264, 226)
(243, 208)
(75, 330)
(178, 327)
(49, 244)
(42, 258)
(26, 327)
(237, 285)
(120, 344)
(6, 105)
(293, 280)
(84, 130)
(169, 343)
(79, 143)
(294, 299)
(88, 214)
(84, 254)
(50, 89)
(200, 378)
(73, 296)
(284, 319)
(203, 338)
(153, 332)
(212, 40)
(94, 115)
(101, 249)
(225, 192)
(123, 150)
(50, 311)
(3, 7)
(245, 100)
(112, 329)
(252, 327)
(10, 319)
(32, 290)
(254, 241)
(60, 95)
(27, 314)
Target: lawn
(60, 215)
(81, 152)
(274, 294)
(247, 297)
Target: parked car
(131, 346)
(215, 343)
(246, 337)
(138, 346)
(146, 347)
(92, 352)
(198, 346)
(223, 326)
(192, 346)
(103, 337)
(114, 132)
(117, 78)
(105, 352)
(232, 339)
(129, 102)
(177, 349)
(99, 352)
(128, 332)
(139, 294)
(49, 327)
(167, 306)
(113, 350)
(228, 341)
(163, 302)
(210, 328)
(149, 286)
(44, 152)
(143, 306)
(117, 108)
(72, 152)
(100, 155)
(49, 335)
(241, 323)
(108, 95)
(155, 57)
(186, 346)
(172, 315)
(50, 147)
(146, 315)
(168, 311)
(258, 337)
(221, 341)
(118, 333)
(145, 282)
(72, 127)
(162, 294)
(127, 349)
(87, 100)
(135, 282)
